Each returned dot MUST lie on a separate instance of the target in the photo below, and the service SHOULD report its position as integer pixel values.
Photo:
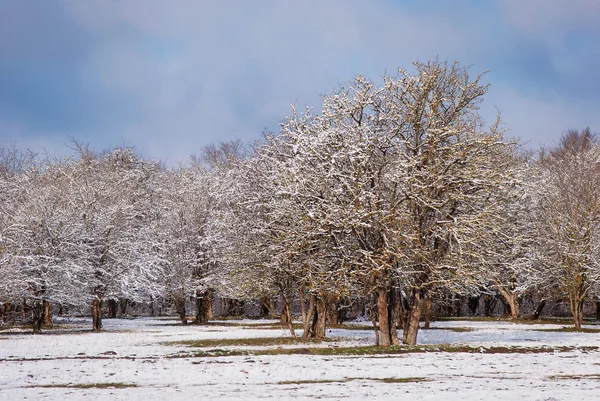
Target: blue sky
(171, 77)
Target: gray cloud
(172, 77)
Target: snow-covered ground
(60, 364)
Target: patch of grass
(593, 376)
(403, 379)
(571, 330)
(455, 329)
(87, 385)
(298, 382)
(374, 350)
(348, 379)
(521, 320)
(249, 342)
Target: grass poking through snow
(86, 385)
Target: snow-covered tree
(568, 217)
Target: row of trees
(394, 195)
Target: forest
(389, 198)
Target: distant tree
(568, 217)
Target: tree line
(393, 194)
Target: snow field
(134, 353)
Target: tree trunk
(306, 323)
(181, 312)
(384, 317)
(320, 318)
(47, 315)
(112, 308)
(285, 316)
(489, 303)
(6, 308)
(267, 308)
(302, 303)
(37, 312)
(427, 312)
(577, 312)
(373, 317)
(123, 307)
(333, 313)
(473, 304)
(96, 315)
(512, 302)
(286, 310)
(202, 306)
(539, 309)
(411, 320)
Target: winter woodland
(389, 198)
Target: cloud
(170, 78)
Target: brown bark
(6, 308)
(320, 318)
(287, 312)
(512, 302)
(384, 317)
(47, 315)
(373, 317)
(577, 312)
(428, 305)
(181, 312)
(333, 313)
(306, 323)
(302, 303)
(268, 308)
(112, 308)
(203, 306)
(96, 315)
(37, 312)
(411, 320)
(285, 316)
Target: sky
(169, 77)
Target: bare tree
(568, 216)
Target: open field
(154, 359)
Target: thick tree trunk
(47, 315)
(320, 318)
(96, 315)
(384, 317)
(202, 306)
(577, 312)
(112, 308)
(512, 303)
(334, 316)
(37, 312)
(181, 312)
(411, 320)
